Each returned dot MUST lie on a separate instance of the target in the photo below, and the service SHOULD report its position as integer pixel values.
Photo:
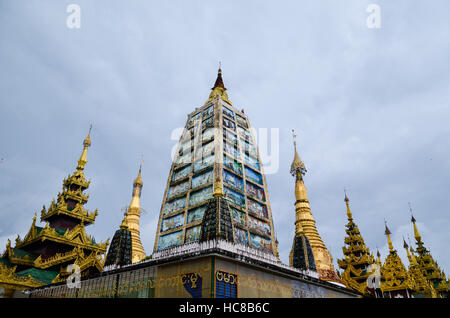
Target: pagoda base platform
(213, 269)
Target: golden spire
(83, 158)
(416, 231)
(305, 223)
(137, 187)
(349, 213)
(218, 89)
(132, 217)
(138, 179)
(388, 234)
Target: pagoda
(322, 257)
(358, 263)
(126, 247)
(42, 256)
(301, 255)
(217, 158)
(396, 281)
(428, 265)
(422, 287)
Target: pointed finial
(349, 212)
(298, 168)
(138, 179)
(388, 234)
(405, 245)
(124, 224)
(219, 80)
(83, 158)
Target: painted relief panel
(202, 178)
(253, 175)
(172, 222)
(192, 234)
(208, 112)
(233, 180)
(255, 191)
(204, 162)
(200, 196)
(248, 148)
(186, 146)
(194, 118)
(232, 164)
(252, 162)
(240, 236)
(261, 242)
(204, 150)
(174, 205)
(257, 208)
(196, 214)
(259, 226)
(239, 217)
(229, 148)
(230, 137)
(177, 189)
(229, 124)
(208, 123)
(184, 158)
(241, 121)
(181, 173)
(208, 134)
(169, 240)
(244, 133)
(234, 197)
(227, 112)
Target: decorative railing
(240, 250)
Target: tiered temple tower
(304, 217)
(216, 152)
(358, 263)
(428, 265)
(422, 287)
(396, 281)
(301, 255)
(126, 247)
(42, 256)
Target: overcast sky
(370, 107)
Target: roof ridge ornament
(298, 168)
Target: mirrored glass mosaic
(230, 149)
(232, 164)
(204, 162)
(259, 226)
(252, 162)
(172, 222)
(255, 191)
(229, 124)
(233, 180)
(200, 196)
(196, 214)
(181, 173)
(257, 208)
(234, 197)
(239, 217)
(177, 189)
(228, 112)
(241, 236)
(202, 179)
(174, 205)
(192, 234)
(261, 242)
(169, 240)
(253, 175)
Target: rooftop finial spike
(83, 158)
(298, 168)
(219, 80)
